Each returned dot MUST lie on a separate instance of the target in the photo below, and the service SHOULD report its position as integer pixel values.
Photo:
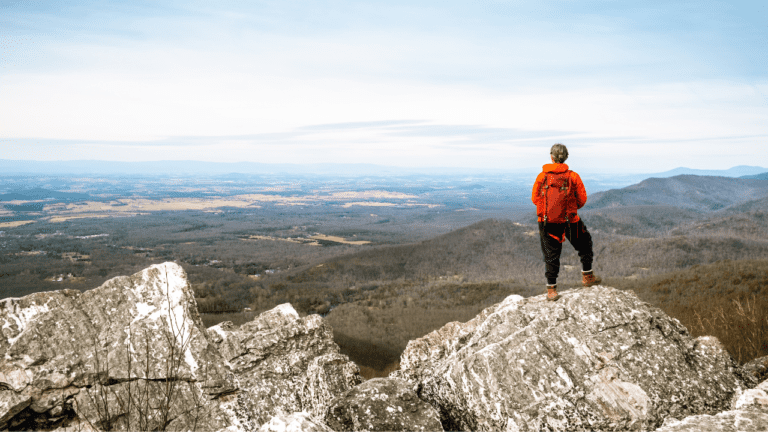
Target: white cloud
(479, 86)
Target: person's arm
(535, 197)
(581, 192)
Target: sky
(627, 86)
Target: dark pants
(552, 236)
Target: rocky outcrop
(597, 359)
(748, 413)
(133, 354)
(382, 404)
(283, 364)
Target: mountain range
(99, 167)
(695, 192)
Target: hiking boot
(552, 294)
(589, 278)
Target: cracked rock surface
(68, 356)
(382, 404)
(133, 354)
(748, 413)
(597, 359)
(283, 364)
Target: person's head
(559, 153)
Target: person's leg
(581, 240)
(551, 248)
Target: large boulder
(597, 359)
(382, 404)
(133, 354)
(748, 413)
(283, 364)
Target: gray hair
(559, 153)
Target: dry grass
(337, 239)
(283, 239)
(371, 194)
(726, 299)
(369, 372)
(742, 326)
(30, 253)
(368, 204)
(15, 224)
(56, 219)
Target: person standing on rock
(558, 193)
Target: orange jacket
(580, 192)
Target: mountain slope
(699, 193)
(737, 171)
(761, 176)
(477, 251)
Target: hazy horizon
(92, 166)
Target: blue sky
(636, 86)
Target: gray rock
(76, 355)
(755, 371)
(749, 413)
(296, 422)
(283, 364)
(597, 359)
(382, 404)
(133, 354)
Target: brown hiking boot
(552, 294)
(590, 278)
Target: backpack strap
(567, 194)
(546, 198)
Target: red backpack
(556, 190)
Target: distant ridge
(763, 176)
(238, 169)
(225, 169)
(737, 171)
(701, 193)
